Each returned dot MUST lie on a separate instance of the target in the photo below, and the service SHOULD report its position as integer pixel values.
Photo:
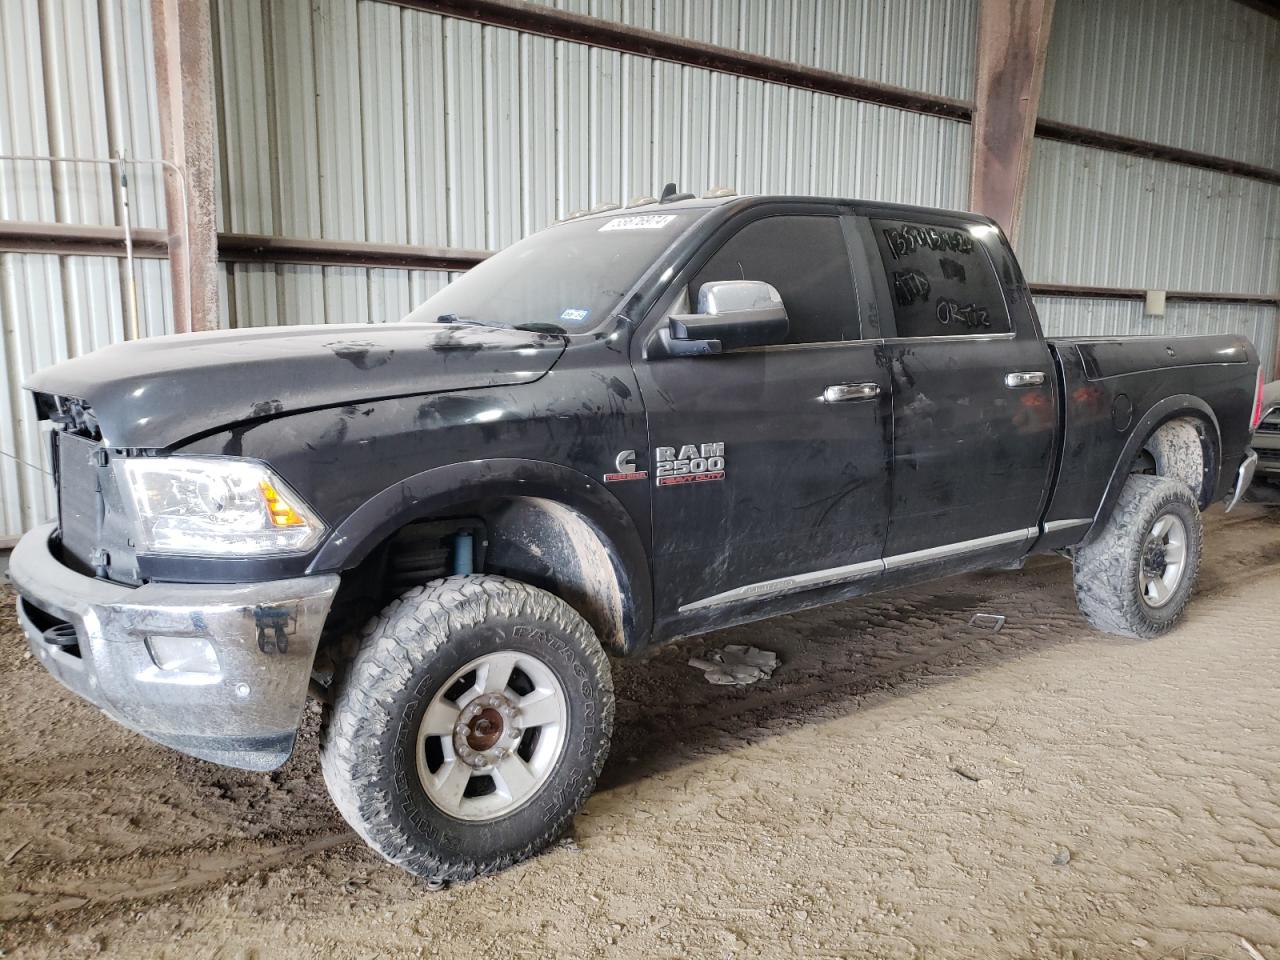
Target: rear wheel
(470, 726)
(1135, 576)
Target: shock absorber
(463, 554)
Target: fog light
(183, 654)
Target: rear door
(770, 464)
(974, 392)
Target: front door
(770, 464)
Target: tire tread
(407, 633)
(1105, 568)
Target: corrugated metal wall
(357, 120)
(75, 81)
(1105, 219)
(926, 45)
(401, 126)
(1197, 74)
(1085, 317)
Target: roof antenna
(669, 194)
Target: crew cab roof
(906, 211)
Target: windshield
(564, 279)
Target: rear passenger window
(941, 280)
(806, 260)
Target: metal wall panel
(1081, 317)
(26, 188)
(76, 80)
(261, 295)
(129, 68)
(359, 120)
(473, 136)
(925, 45)
(1197, 74)
(53, 308)
(1099, 218)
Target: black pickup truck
(637, 425)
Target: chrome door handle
(844, 392)
(1031, 378)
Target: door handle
(1031, 378)
(844, 392)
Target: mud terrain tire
(1111, 567)
(371, 737)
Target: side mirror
(731, 314)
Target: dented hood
(157, 392)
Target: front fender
(440, 490)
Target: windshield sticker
(642, 222)
(574, 315)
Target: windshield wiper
(528, 327)
(540, 327)
(464, 321)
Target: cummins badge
(626, 464)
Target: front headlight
(212, 506)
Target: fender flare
(436, 491)
(1170, 408)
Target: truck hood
(157, 392)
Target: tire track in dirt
(1032, 589)
(214, 868)
(869, 646)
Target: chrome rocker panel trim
(821, 578)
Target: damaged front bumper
(217, 671)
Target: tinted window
(941, 280)
(806, 260)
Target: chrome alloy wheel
(1164, 560)
(491, 735)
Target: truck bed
(1116, 389)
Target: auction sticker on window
(648, 221)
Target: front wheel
(1135, 576)
(469, 728)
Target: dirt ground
(905, 786)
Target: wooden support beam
(183, 40)
(1012, 38)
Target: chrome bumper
(237, 702)
(1244, 477)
